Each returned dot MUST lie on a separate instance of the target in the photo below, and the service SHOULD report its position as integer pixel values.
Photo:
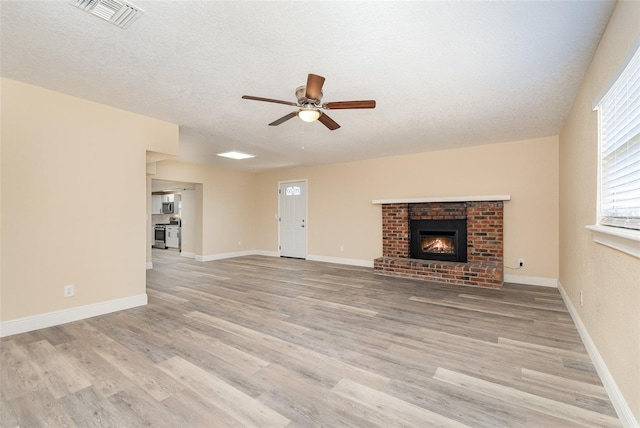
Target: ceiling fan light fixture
(309, 115)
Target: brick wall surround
(395, 230)
(484, 267)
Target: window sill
(625, 240)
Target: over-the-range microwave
(167, 208)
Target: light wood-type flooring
(274, 342)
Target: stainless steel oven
(160, 236)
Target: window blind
(619, 118)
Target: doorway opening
(174, 222)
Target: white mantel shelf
(479, 198)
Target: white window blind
(619, 123)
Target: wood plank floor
(274, 342)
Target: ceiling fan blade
(314, 86)
(284, 118)
(328, 122)
(350, 104)
(269, 100)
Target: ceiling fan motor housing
(302, 99)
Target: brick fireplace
(484, 240)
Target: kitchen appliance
(160, 236)
(167, 208)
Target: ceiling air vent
(117, 12)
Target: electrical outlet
(341, 248)
(69, 290)
(239, 243)
(520, 262)
(581, 300)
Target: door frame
(306, 208)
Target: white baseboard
(50, 319)
(149, 265)
(266, 253)
(338, 260)
(531, 280)
(341, 260)
(188, 255)
(222, 256)
(615, 395)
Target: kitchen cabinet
(173, 236)
(167, 198)
(156, 204)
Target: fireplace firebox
(443, 240)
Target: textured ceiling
(444, 74)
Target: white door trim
(306, 207)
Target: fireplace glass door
(444, 240)
(438, 243)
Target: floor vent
(117, 12)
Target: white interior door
(293, 218)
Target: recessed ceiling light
(236, 155)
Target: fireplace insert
(443, 240)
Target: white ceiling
(444, 74)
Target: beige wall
(73, 199)
(149, 222)
(340, 211)
(609, 279)
(225, 216)
(189, 236)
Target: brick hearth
(484, 267)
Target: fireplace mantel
(479, 198)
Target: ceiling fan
(309, 105)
